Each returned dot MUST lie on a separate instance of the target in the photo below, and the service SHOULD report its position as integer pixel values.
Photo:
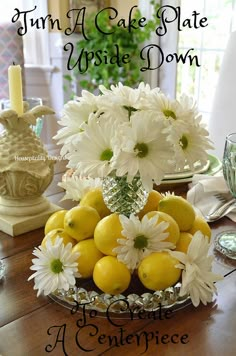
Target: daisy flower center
(183, 142)
(140, 242)
(106, 155)
(56, 266)
(142, 149)
(169, 113)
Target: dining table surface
(31, 325)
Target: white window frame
(165, 76)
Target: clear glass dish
(225, 244)
(212, 166)
(2, 269)
(135, 301)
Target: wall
(123, 6)
(59, 8)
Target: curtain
(36, 43)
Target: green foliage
(128, 42)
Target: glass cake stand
(137, 300)
(2, 270)
(225, 244)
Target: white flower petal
(46, 280)
(149, 229)
(197, 278)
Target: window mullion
(169, 45)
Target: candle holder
(30, 102)
(25, 172)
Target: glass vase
(122, 196)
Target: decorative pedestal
(18, 224)
(26, 171)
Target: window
(209, 44)
(36, 49)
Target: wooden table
(39, 326)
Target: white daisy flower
(126, 98)
(189, 105)
(127, 131)
(141, 238)
(197, 278)
(89, 99)
(145, 151)
(77, 187)
(165, 108)
(74, 115)
(126, 95)
(113, 111)
(72, 121)
(190, 145)
(94, 153)
(55, 267)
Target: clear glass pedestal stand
(225, 242)
(2, 270)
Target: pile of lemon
(93, 231)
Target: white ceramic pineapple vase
(25, 168)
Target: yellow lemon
(89, 255)
(55, 221)
(200, 224)
(106, 233)
(111, 275)
(172, 229)
(61, 233)
(180, 210)
(152, 203)
(157, 271)
(80, 222)
(184, 240)
(94, 199)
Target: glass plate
(136, 300)
(199, 168)
(225, 243)
(212, 166)
(2, 269)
